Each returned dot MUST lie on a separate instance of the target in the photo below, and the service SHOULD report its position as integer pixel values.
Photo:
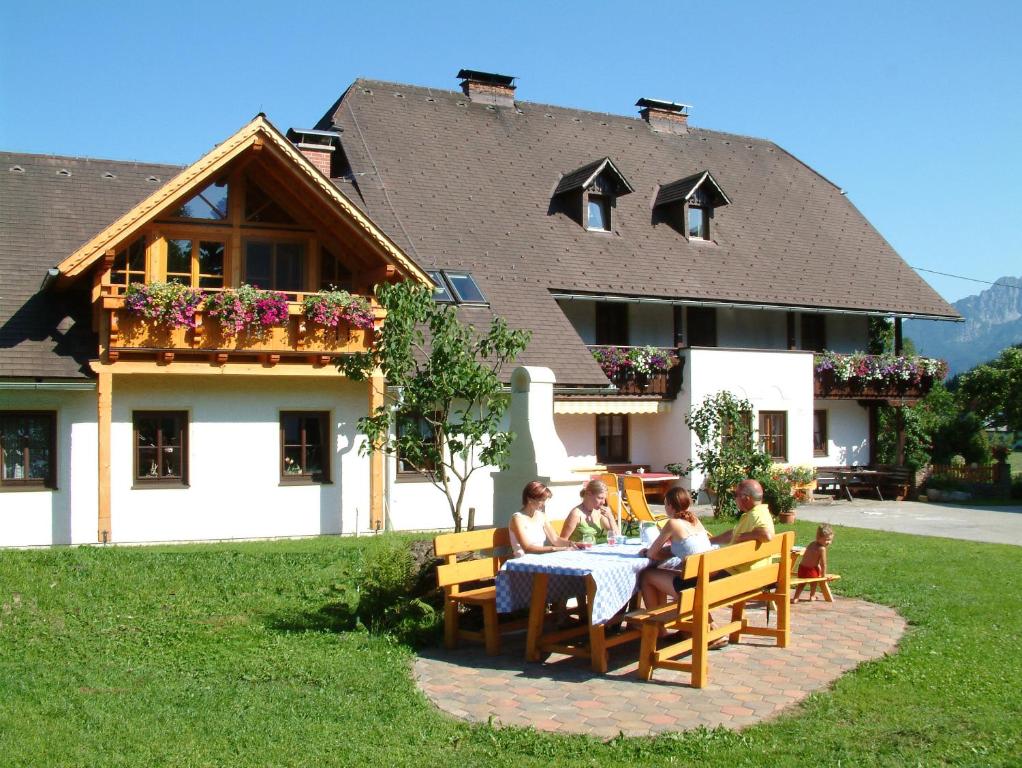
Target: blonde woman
(531, 533)
(592, 517)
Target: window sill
(26, 488)
(156, 486)
(302, 481)
(410, 477)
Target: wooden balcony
(299, 341)
(663, 385)
(827, 387)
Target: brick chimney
(317, 146)
(664, 116)
(488, 88)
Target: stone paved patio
(749, 682)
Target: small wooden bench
(691, 612)
(492, 547)
(896, 482)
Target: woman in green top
(592, 517)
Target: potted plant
(332, 308)
(169, 304)
(247, 309)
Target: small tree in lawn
(443, 405)
(727, 453)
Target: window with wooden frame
(419, 428)
(28, 445)
(820, 438)
(727, 430)
(161, 447)
(304, 447)
(197, 262)
(814, 332)
(129, 264)
(773, 434)
(275, 265)
(334, 274)
(612, 438)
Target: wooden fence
(966, 474)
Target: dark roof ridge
(81, 158)
(561, 107)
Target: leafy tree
(994, 390)
(443, 404)
(727, 453)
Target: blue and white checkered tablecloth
(614, 569)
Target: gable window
(129, 264)
(598, 213)
(209, 205)
(198, 263)
(773, 434)
(698, 223)
(421, 431)
(820, 441)
(612, 438)
(28, 442)
(161, 447)
(304, 455)
(275, 265)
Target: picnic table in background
(607, 576)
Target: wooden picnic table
(607, 576)
(854, 477)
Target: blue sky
(914, 108)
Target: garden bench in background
(471, 582)
(691, 612)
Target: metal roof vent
(488, 87)
(664, 116)
(63, 172)
(16, 169)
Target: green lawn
(220, 655)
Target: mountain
(993, 321)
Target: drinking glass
(611, 539)
(588, 539)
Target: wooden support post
(791, 331)
(376, 389)
(104, 399)
(899, 415)
(898, 340)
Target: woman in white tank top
(530, 530)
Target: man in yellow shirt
(755, 524)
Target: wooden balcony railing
(664, 384)
(859, 376)
(299, 340)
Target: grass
(210, 655)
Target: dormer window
(688, 204)
(598, 213)
(589, 194)
(698, 223)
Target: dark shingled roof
(462, 185)
(48, 208)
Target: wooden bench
(492, 547)
(691, 612)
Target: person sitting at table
(531, 532)
(592, 517)
(682, 535)
(755, 524)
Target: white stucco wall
(770, 381)
(234, 488)
(578, 433)
(68, 514)
(847, 433)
